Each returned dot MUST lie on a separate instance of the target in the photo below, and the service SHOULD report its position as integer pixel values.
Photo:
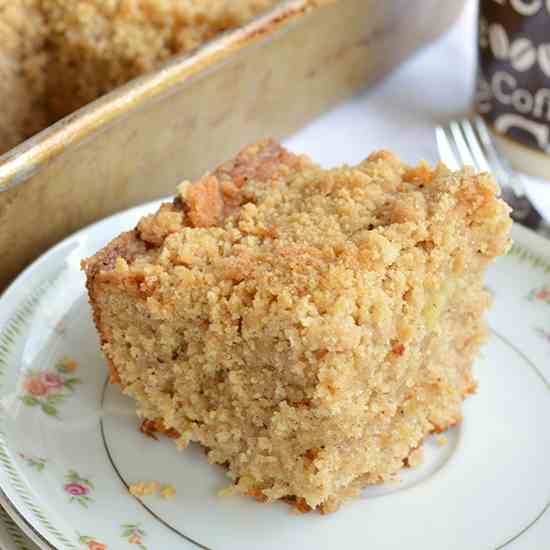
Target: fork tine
(464, 152)
(498, 167)
(473, 142)
(445, 149)
(485, 137)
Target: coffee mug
(513, 86)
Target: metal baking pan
(267, 78)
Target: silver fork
(467, 142)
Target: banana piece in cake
(308, 327)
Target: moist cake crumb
(144, 488)
(168, 492)
(308, 327)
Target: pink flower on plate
(52, 380)
(76, 490)
(36, 387)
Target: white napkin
(401, 112)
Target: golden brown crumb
(144, 488)
(168, 492)
(442, 441)
(308, 327)
(299, 504)
(228, 491)
(151, 427)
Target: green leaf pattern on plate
(134, 534)
(78, 488)
(37, 463)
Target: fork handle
(524, 212)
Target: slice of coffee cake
(309, 327)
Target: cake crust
(308, 327)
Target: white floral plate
(11, 537)
(70, 445)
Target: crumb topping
(309, 327)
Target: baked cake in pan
(58, 55)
